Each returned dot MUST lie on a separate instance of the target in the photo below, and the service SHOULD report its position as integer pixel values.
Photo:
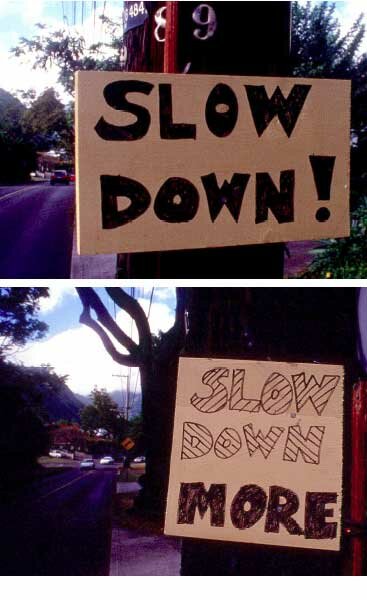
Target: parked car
(59, 177)
(55, 454)
(138, 463)
(87, 463)
(72, 177)
(107, 460)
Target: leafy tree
(67, 435)
(103, 413)
(318, 47)
(23, 435)
(69, 51)
(45, 121)
(18, 156)
(18, 317)
(157, 359)
(320, 50)
(343, 258)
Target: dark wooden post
(251, 38)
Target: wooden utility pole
(233, 38)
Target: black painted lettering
(287, 110)
(194, 496)
(177, 201)
(113, 187)
(115, 96)
(221, 110)
(281, 203)
(281, 513)
(248, 506)
(229, 195)
(169, 129)
(315, 513)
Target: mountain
(55, 398)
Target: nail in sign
(169, 162)
(257, 453)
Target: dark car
(60, 177)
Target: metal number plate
(134, 15)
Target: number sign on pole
(257, 453)
(169, 162)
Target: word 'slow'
(276, 396)
(221, 111)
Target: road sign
(257, 453)
(169, 162)
(128, 444)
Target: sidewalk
(102, 266)
(137, 552)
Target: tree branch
(90, 299)
(122, 359)
(133, 308)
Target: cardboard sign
(257, 453)
(169, 162)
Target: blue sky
(75, 350)
(18, 18)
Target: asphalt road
(60, 525)
(36, 231)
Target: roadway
(36, 231)
(59, 525)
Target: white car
(107, 460)
(55, 454)
(87, 463)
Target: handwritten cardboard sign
(257, 453)
(169, 162)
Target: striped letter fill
(219, 396)
(237, 399)
(228, 443)
(197, 441)
(318, 393)
(277, 394)
(260, 442)
(309, 446)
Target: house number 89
(204, 16)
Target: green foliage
(23, 435)
(18, 156)
(45, 121)
(103, 413)
(18, 317)
(70, 53)
(344, 258)
(318, 47)
(320, 50)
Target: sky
(75, 350)
(18, 18)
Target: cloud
(79, 353)
(56, 297)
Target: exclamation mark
(323, 170)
